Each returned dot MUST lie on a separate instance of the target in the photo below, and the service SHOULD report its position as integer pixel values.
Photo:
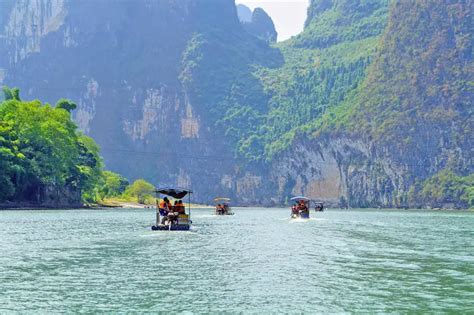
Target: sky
(287, 15)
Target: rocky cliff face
(410, 118)
(135, 71)
(343, 171)
(24, 24)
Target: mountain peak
(260, 24)
(244, 13)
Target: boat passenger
(220, 208)
(168, 214)
(162, 204)
(302, 206)
(294, 209)
(225, 207)
(180, 207)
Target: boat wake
(300, 220)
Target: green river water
(258, 261)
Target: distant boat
(172, 218)
(318, 206)
(301, 206)
(223, 206)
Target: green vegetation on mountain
(331, 22)
(416, 100)
(217, 71)
(402, 81)
(447, 187)
(322, 65)
(422, 77)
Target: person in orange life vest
(165, 204)
(180, 209)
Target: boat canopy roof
(298, 198)
(177, 193)
(217, 199)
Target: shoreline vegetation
(47, 163)
(108, 204)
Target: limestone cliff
(363, 107)
(410, 119)
(138, 72)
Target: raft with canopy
(172, 218)
(300, 207)
(318, 206)
(222, 206)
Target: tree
(140, 189)
(113, 184)
(43, 156)
(66, 104)
(11, 94)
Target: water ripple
(256, 261)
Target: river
(257, 261)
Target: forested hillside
(413, 110)
(371, 105)
(320, 69)
(417, 100)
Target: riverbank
(33, 205)
(129, 204)
(120, 203)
